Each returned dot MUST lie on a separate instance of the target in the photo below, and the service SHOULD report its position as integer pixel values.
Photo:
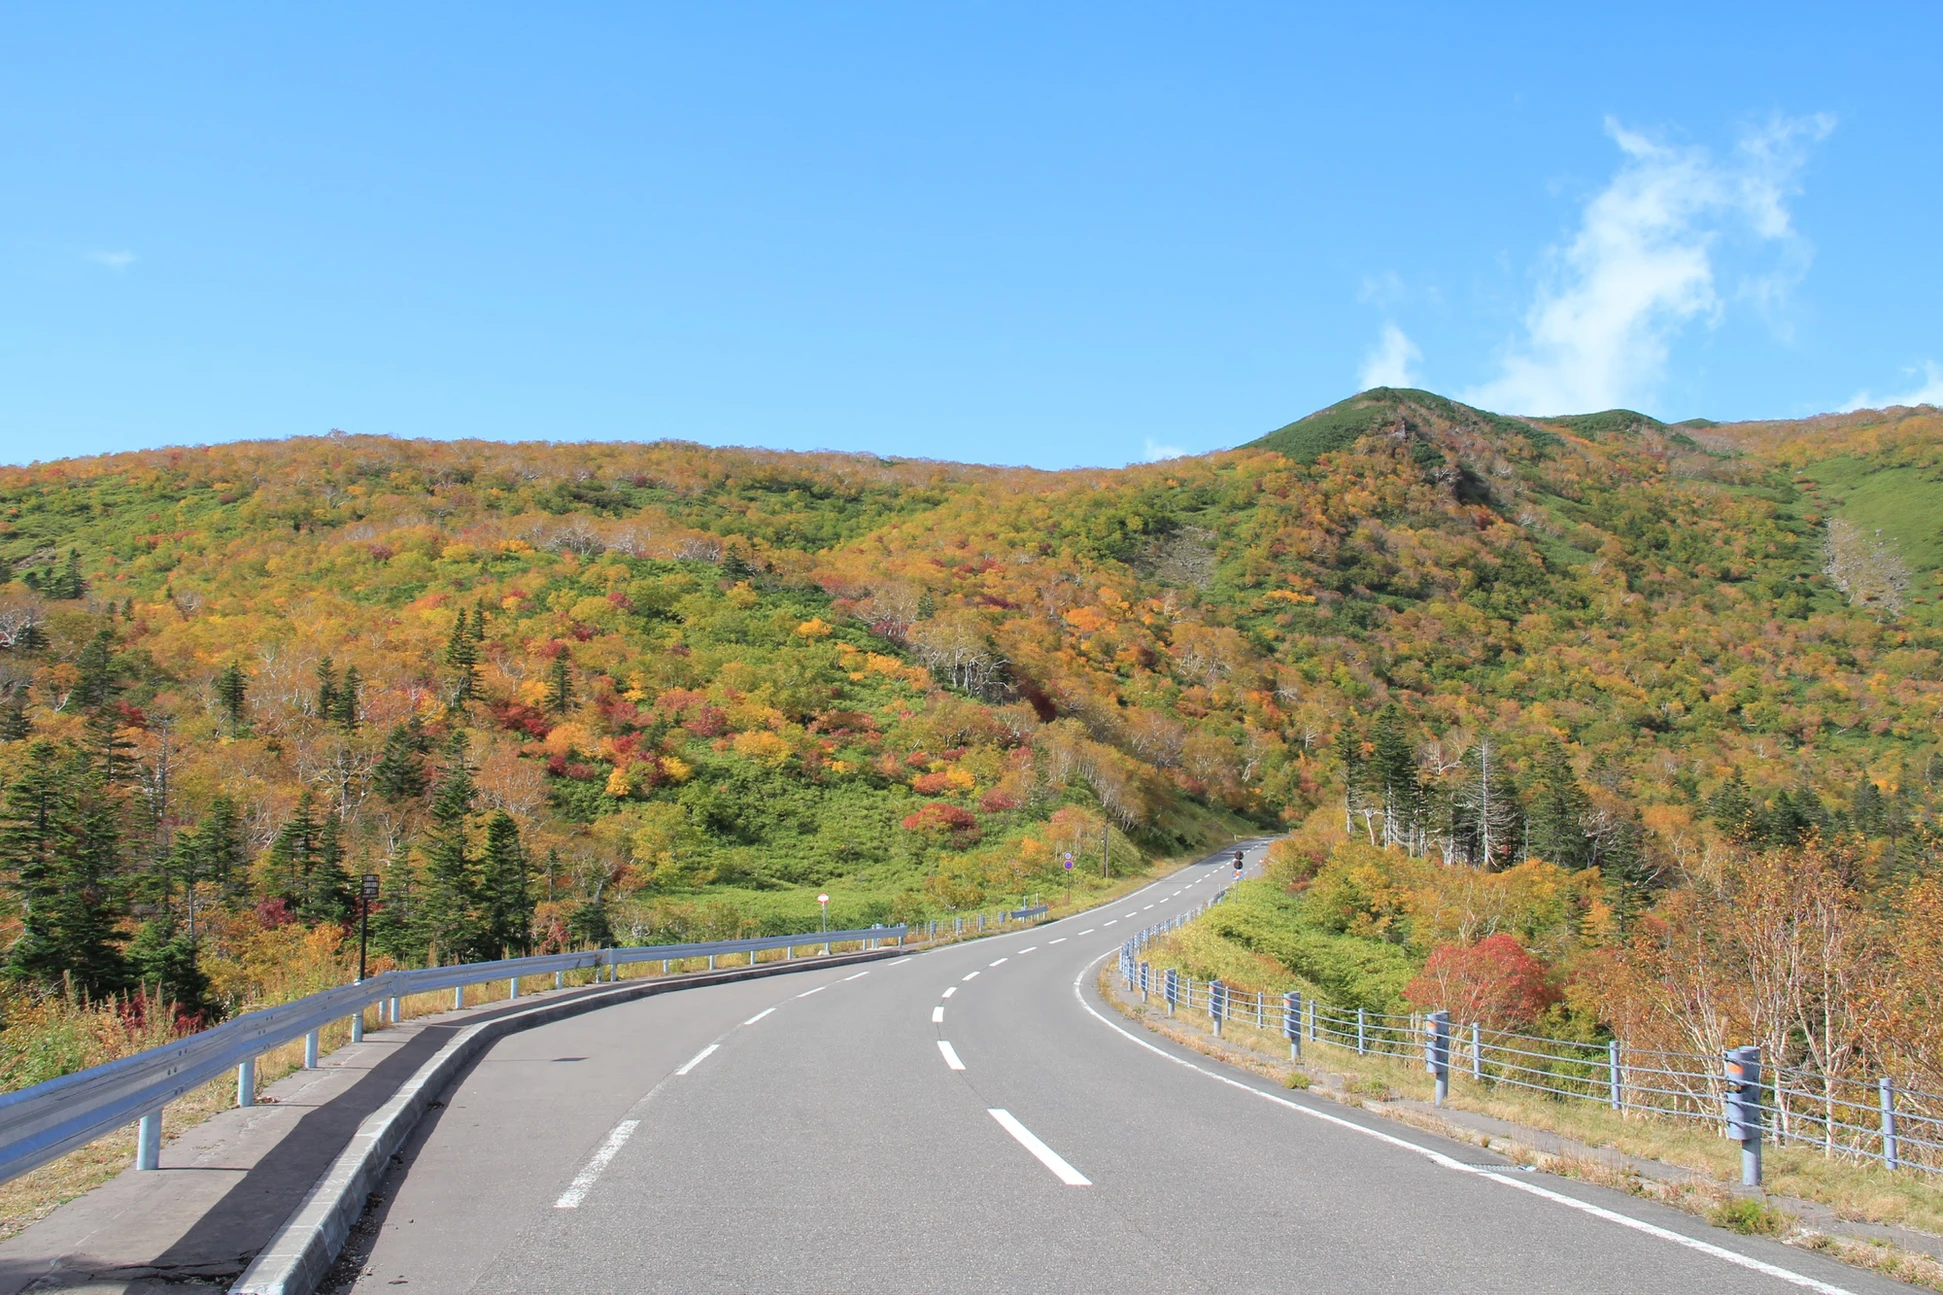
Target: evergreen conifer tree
(58, 838)
(162, 960)
(399, 775)
(293, 853)
(448, 905)
(1485, 814)
(232, 693)
(95, 667)
(1732, 809)
(1349, 754)
(462, 654)
(1555, 820)
(70, 583)
(1393, 774)
(559, 689)
(348, 700)
(14, 724)
(326, 690)
(508, 902)
(328, 894)
(219, 847)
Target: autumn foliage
(1494, 983)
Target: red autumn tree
(1494, 982)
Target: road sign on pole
(824, 902)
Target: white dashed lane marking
(938, 1016)
(1044, 1154)
(951, 1057)
(698, 1058)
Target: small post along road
(973, 1118)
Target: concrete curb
(301, 1253)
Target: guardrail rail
(49, 1120)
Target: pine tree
(1732, 809)
(96, 682)
(326, 690)
(1349, 754)
(70, 583)
(14, 724)
(219, 847)
(448, 906)
(328, 894)
(399, 775)
(1555, 821)
(1485, 814)
(58, 838)
(559, 691)
(232, 692)
(508, 902)
(293, 854)
(348, 700)
(462, 654)
(588, 924)
(1868, 810)
(1393, 775)
(162, 960)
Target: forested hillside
(560, 694)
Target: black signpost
(367, 893)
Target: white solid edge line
(951, 1057)
(698, 1058)
(938, 1015)
(806, 993)
(583, 1181)
(1437, 1157)
(759, 1015)
(1044, 1154)
(949, 992)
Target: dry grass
(1856, 1192)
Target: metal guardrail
(1895, 1125)
(49, 1120)
(975, 924)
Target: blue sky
(1024, 233)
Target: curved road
(973, 1119)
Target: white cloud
(1642, 265)
(1388, 362)
(117, 261)
(1929, 393)
(1155, 452)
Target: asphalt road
(816, 1132)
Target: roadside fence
(49, 1120)
(1876, 1120)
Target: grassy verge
(1853, 1192)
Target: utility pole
(1106, 850)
